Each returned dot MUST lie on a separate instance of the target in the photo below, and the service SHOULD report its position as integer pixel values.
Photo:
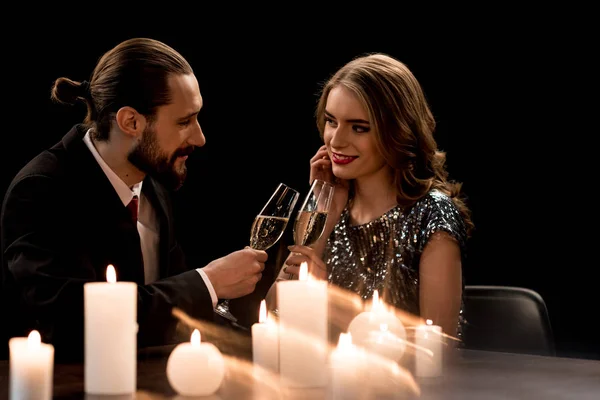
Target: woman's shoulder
(436, 211)
(433, 203)
(435, 199)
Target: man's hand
(236, 274)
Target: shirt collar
(125, 193)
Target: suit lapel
(107, 222)
(157, 197)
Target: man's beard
(148, 158)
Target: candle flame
(111, 275)
(195, 339)
(303, 274)
(262, 314)
(34, 340)
(376, 302)
(345, 341)
(429, 322)
(383, 327)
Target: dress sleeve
(439, 213)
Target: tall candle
(429, 340)
(346, 363)
(31, 368)
(110, 336)
(265, 341)
(303, 343)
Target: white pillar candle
(303, 338)
(195, 368)
(265, 341)
(110, 336)
(346, 364)
(379, 331)
(31, 368)
(428, 341)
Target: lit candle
(379, 331)
(110, 336)
(265, 341)
(385, 343)
(303, 338)
(31, 368)
(195, 368)
(346, 364)
(428, 339)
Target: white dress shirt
(147, 221)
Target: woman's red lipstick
(341, 159)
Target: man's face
(170, 137)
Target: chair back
(508, 319)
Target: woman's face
(350, 137)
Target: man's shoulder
(51, 162)
(45, 170)
(46, 165)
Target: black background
(512, 95)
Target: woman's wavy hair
(400, 114)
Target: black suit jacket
(62, 223)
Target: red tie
(133, 208)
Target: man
(100, 196)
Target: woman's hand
(300, 254)
(320, 168)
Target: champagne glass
(312, 217)
(267, 228)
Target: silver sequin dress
(384, 254)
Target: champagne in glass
(266, 231)
(312, 217)
(267, 228)
(309, 226)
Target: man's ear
(130, 121)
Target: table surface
(469, 375)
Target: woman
(397, 224)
